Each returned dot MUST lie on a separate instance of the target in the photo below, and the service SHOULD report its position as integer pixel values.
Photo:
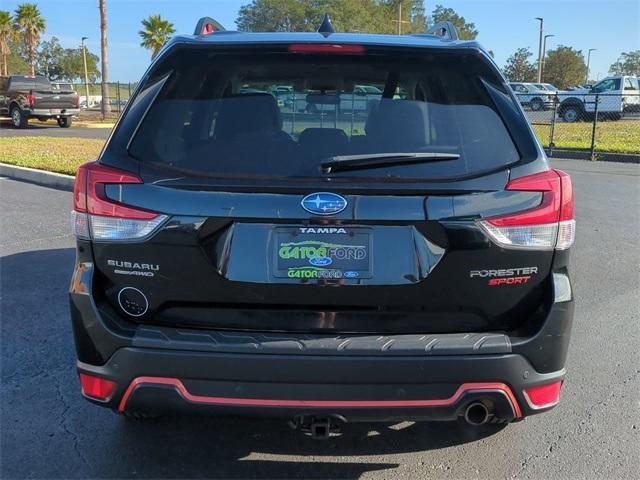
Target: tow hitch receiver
(318, 428)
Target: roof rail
(207, 25)
(445, 30)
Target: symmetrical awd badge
(324, 203)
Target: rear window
(20, 83)
(283, 114)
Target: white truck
(615, 95)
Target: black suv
(242, 254)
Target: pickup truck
(532, 96)
(23, 97)
(615, 95)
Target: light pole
(544, 50)
(541, 20)
(586, 78)
(86, 75)
(399, 21)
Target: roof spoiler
(446, 30)
(207, 25)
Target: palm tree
(155, 34)
(106, 106)
(6, 32)
(30, 24)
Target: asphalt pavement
(49, 431)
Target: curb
(39, 177)
(586, 155)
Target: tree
(106, 106)
(565, 67)
(71, 65)
(518, 67)
(155, 34)
(48, 58)
(371, 16)
(277, 16)
(6, 33)
(59, 63)
(30, 24)
(17, 60)
(627, 64)
(466, 30)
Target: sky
(610, 26)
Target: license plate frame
(322, 253)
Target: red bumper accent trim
(263, 402)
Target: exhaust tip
(476, 414)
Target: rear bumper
(56, 112)
(355, 377)
(354, 388)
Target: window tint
(608, 85)
(631, 84)
(24, 83)
(282, 115)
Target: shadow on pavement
(221, 447)
(41, 400)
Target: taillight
(549, 225)
(31, 100)
(76, 100)
(97, 387)
(97, 217)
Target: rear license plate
(323, 253)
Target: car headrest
(323, 135)
(247, 113)
(398, 123)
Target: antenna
(326, 28)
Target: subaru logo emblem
(324, 203)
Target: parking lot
(49, 431)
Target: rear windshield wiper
(378, 160)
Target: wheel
(536, 104)
(64, 122)
(18, 118)
(571, 113)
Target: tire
(64, 122)
(571, 113)
(18, 118)
(536, 104)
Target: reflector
(96, 387)
(543, 396)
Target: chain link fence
(592, 122)
(91, 97)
